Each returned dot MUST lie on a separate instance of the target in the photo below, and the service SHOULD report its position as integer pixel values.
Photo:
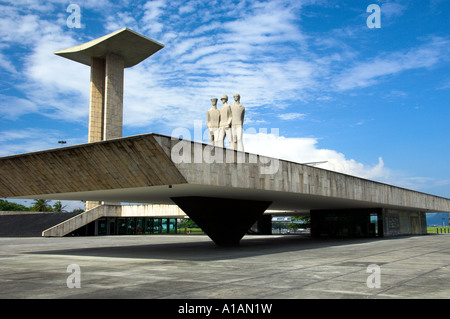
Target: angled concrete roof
(141, 169)
(130, 45)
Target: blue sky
(372, 102)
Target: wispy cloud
(240, 55)
(12, 107)
(31, 140)
(393, 9)
(256, 49)
(367, 73)
(291, 116)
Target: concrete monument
(108, 56)
(213, 121)
(141, 169)
(225, 122)
(237, 122)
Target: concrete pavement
(191, 267)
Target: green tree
(41, 205)
(187, 223)
(58, 207)
(12, 207)
(305, 222)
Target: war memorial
(207, 182)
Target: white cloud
(15, 27)
(306, 150)
(52, 86)
(6, 64)
(32, 140)
(259, 52)
(119, 20)
(207, 60)
(12, 107)
(152, 12)
(392, 9)
(291, 116)
(58, 86)
(364, 74)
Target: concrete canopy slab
(143, 169)
(115, 164)
(130, 45)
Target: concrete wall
(118, 164)
(264, 173)
(398, 222)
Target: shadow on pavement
(206, 250)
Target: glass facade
(347, 223)
(127, 226)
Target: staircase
(81, 220)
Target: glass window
(164, 226)
(157, 226)
(131, 226)
(139, 226)
(101, 226)
(373, 225)
(148, 226)
(122, 226)
(112, 226)
(172, 226)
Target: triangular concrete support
(224, 220)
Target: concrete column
(106, 102)
(224, 220)
(96, 100)
(96, 108)
(106, 98)
(113, 116)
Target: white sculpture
(225, 122)
(213, 121)
(237, 122)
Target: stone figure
(213, 121)
(225, 122)
(237, 122)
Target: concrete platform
(191, 266)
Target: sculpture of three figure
(228, 121)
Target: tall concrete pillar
(108, 56)
(224, 220)
(96, 108)
(106, 102)
(113, 114)
(106, 98)
(96, 100)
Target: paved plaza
(192, 267)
